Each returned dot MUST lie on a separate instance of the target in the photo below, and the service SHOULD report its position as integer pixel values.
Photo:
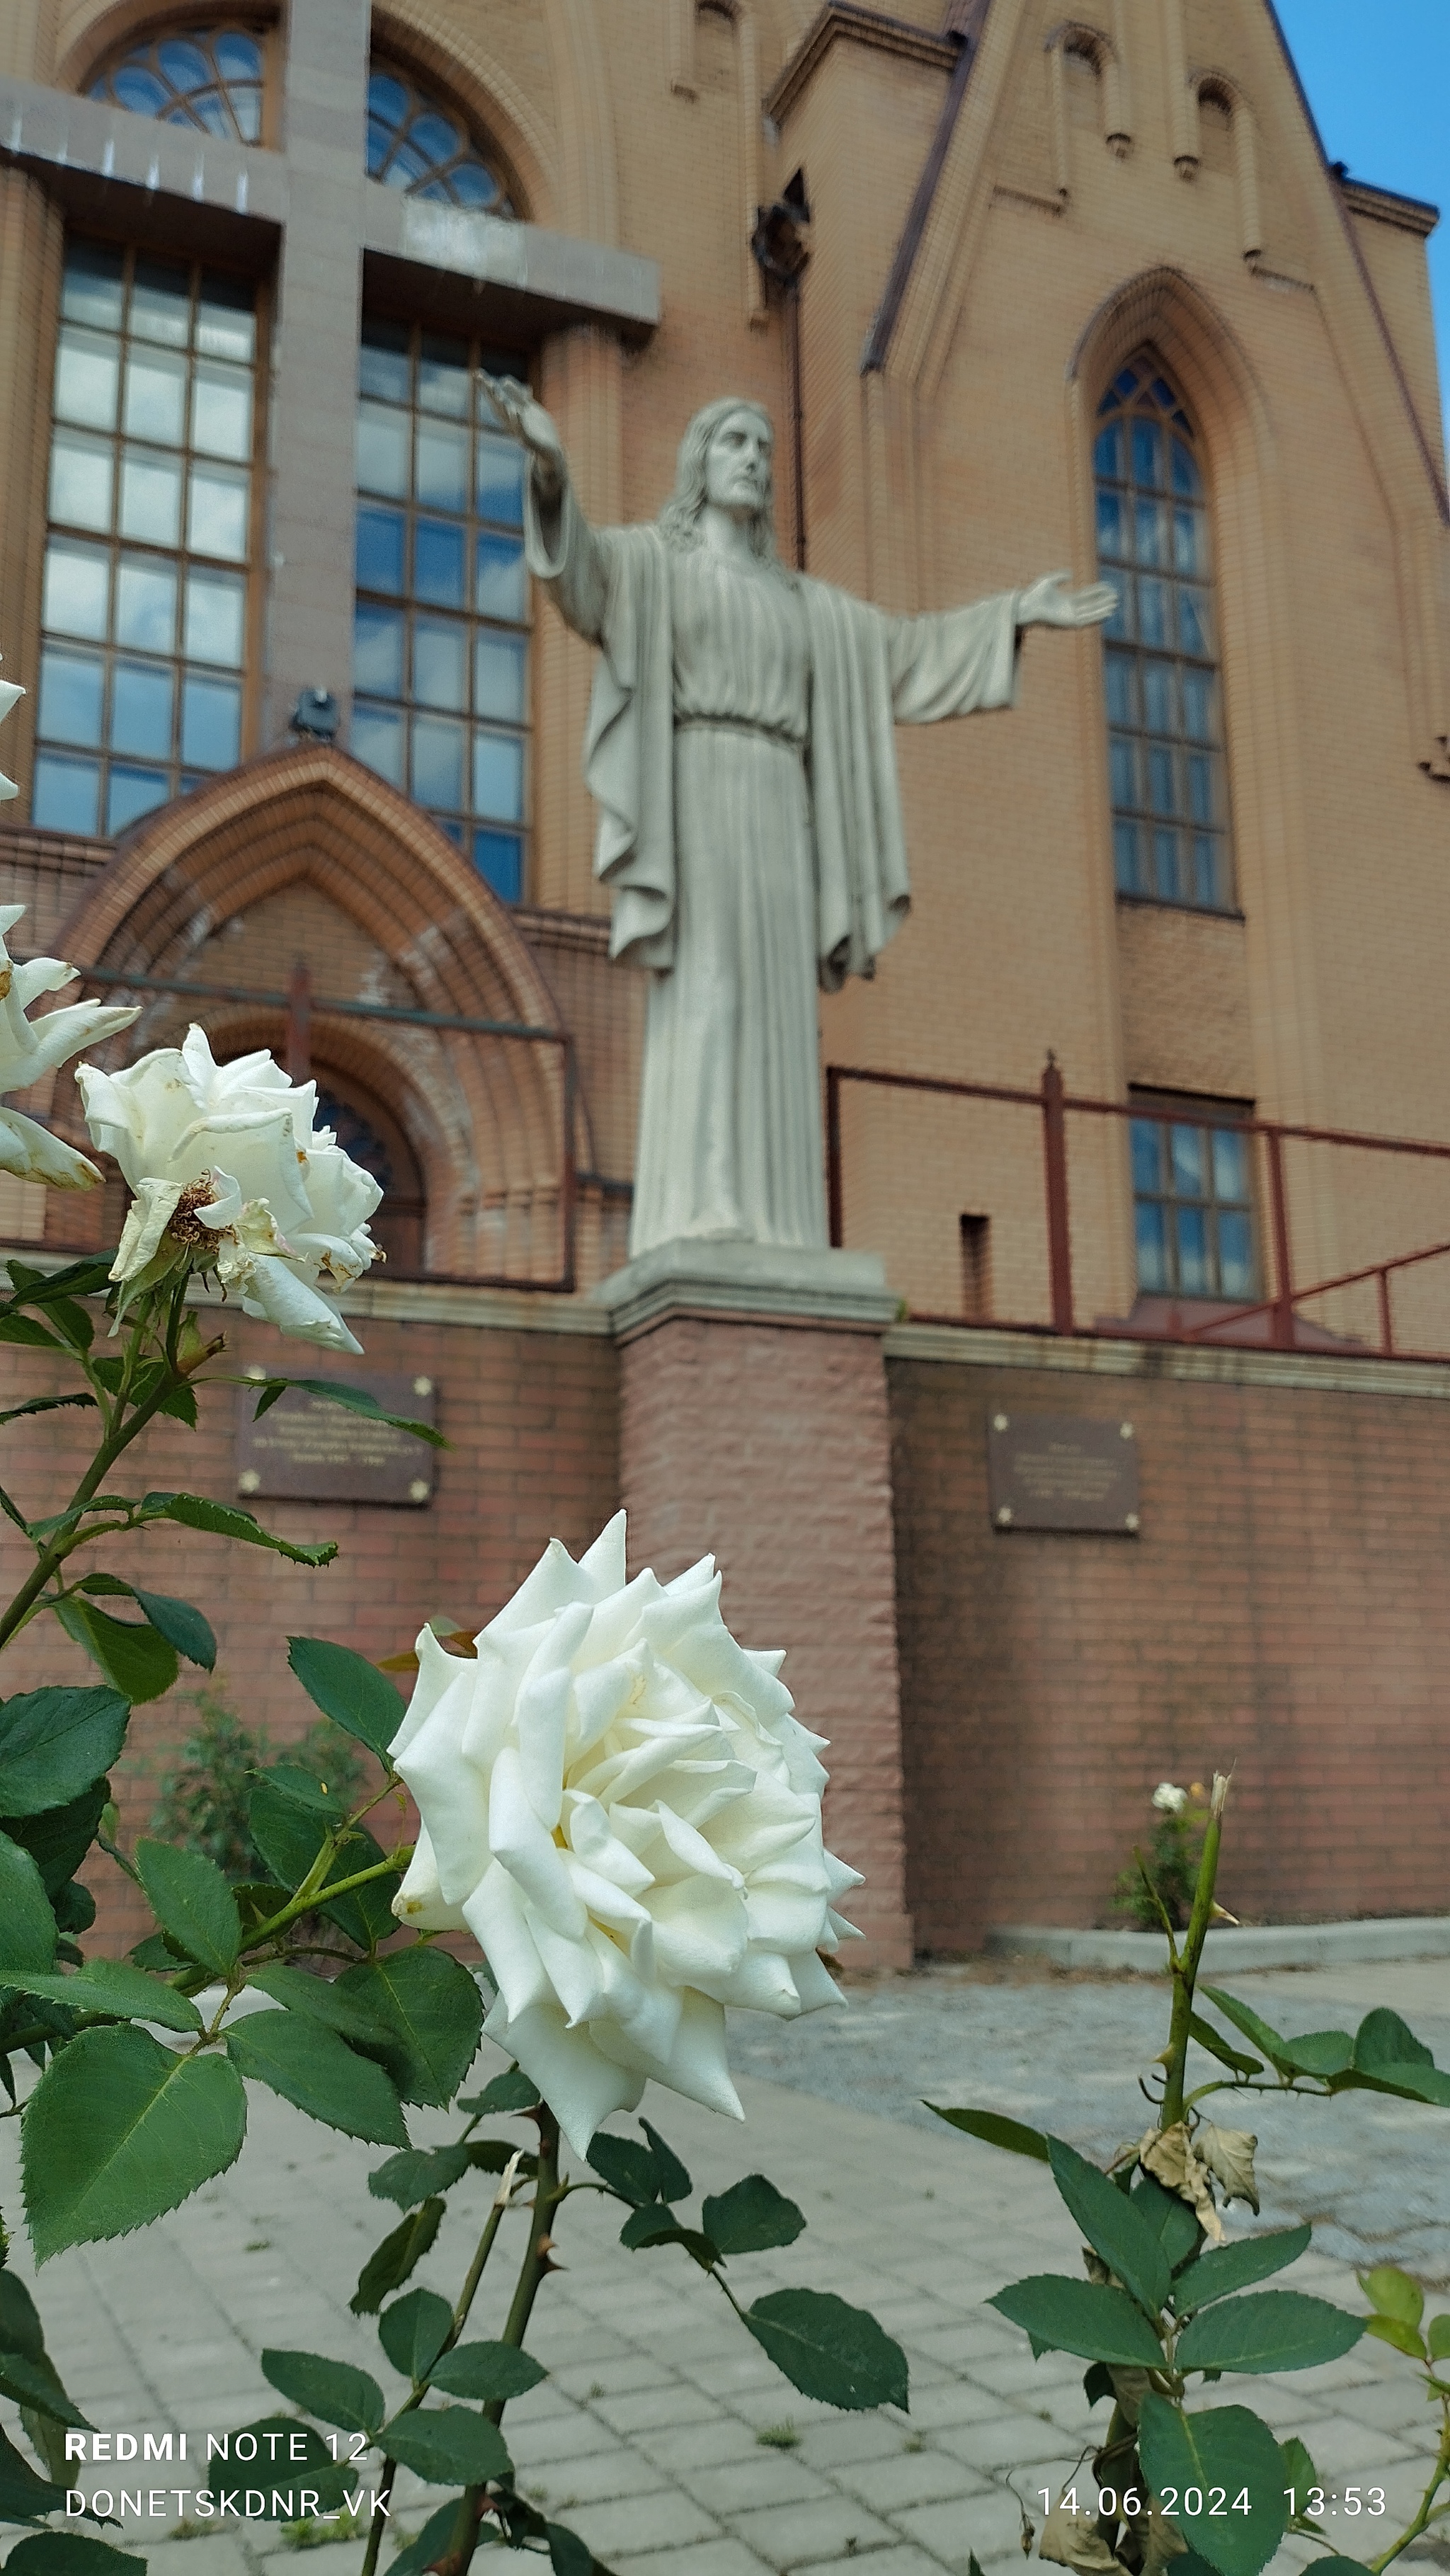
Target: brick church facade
(1124, 1111)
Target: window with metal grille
(208, 77)
(1193, 1203)
(1165, 722)
(440, 656)
(418, 145)
(146, 595)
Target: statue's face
(737, 464)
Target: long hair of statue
(679, 520)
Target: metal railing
(1054, 1105)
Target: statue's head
(725, 459)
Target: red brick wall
(767, 1446)
(531, 1418)
(1285, 1611)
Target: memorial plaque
(316, 1452)
(1060, 1471)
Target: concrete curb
(1277, 1945)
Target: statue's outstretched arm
(562, 548)
(1049, 602)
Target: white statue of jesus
(740, 748)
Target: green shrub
(205, 1792)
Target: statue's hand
(1049, 602)
(515, 410)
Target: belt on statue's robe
(742, 724)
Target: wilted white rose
(618, 1803)
(1168, 1800)
(31, 1048)
(10, 694)
(222, 1159)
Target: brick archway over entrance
(305, 857)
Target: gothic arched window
(211, 77)
(1165, 714)
(423, 148)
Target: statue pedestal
(754, 1428)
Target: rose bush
(225, 1165)
(29, 1049)
(619, 1804)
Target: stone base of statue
(754, 1428)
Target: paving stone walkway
(646, 2436)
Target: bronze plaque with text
(1060, 1471)
(311, 1451)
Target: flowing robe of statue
(739, 745)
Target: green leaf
(34, 2384)
(1244, 2018)
(418, 2173)
(433, 2008)
(492, 2372)
(495, 2155)
(181, 1625)
(20, 2328)
(71, 1321)
(54, 1744)
(414, 2330)
(568, 2554)
(1226, 2268)
(388, 2267)
(656, 2224)
(1113, 2227)
(119, 2130)
(1437, 2336)
(59, 1839)
(1224, 2447)
(349, 1690)
(996, 2130)
(751, 2216)
(828, 2350)
(447, 2443)
(1412, 2083)
(1299, 2470)
(511, 2091)
(24, 2497)
(333, 2390)
(74, 1909)
(1170, 2218)
(289, 1837)
(671, 2180)
(72, 2553)
(136, 1659)
(353, 1399)
(300, 2455)
(88, 1277)
(1320, 2052)
(1394, 2330)
(1334, 2566)
(109, 1986)
(24, 1328)
(1382, 2039)
(1392, 2293)
(28, 1924)
(309, 2065)
(45, 1404)
(1097, 2383)
(316, 1999)
(1086, 2317)
(1217, 2046)
(192, 1902)
(1278, 2330)
(226, 1520)
(431, 2542)
(628, 2169)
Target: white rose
(10, 693)
(223, 1159)
(619, 1805)
(1168, 1800)
(32, 1048)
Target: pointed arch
(486, 1114)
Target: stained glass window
(208, 76)
(423, 148)
(440, 652)
(1193, 1205)
(145, 598)
(1165, 719)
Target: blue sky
(1377, 75)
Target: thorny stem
(481, 2253)
(1428, 2510)
(1185, 1965)
(548, 2193)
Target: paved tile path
(645, 2437)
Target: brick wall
(1285, 1611)
(530, 1417)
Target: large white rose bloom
(224, 1159)
(619, 1805)
(10, 694)
(32, 1048)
